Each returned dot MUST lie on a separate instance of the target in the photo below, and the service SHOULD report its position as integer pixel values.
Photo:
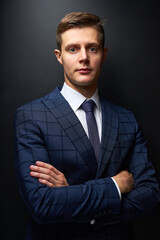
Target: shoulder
(37, 104)
(123, 114)
(111, 105)
(36, 107)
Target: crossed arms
(52, 199)
(51, 177)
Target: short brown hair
(80, 20)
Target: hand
(125, 181)
(48, 175)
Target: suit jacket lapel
(109, 134)
(62, 111)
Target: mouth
(84, 70)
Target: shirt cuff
(119, 192)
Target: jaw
(84, 86)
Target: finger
(48, 166)
(49, 179)
(42, 176)
(40, 170)
(51, 185)
(47, 172)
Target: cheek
(68, 62)
(97, 59)
(97, 62)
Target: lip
(84, 70)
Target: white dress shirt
(75, 99)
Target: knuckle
(49, 178)
(61, 181)
(61, 175)
(51, 168)
(49, 172)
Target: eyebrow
(71, 45)
(87, 45)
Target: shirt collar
(69, 94)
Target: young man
(81, 161)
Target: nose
(84, 56)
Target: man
(81, 161)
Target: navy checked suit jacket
(90, 207)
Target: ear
(58, 55)
(105, 51)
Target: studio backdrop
(28, 69)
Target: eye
(72, 50)
(92, 50)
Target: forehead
(80, 36)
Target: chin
(82, 82)
(85, 82)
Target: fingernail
(32, 167)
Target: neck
(87, 91)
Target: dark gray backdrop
(28, 69)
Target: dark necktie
(88, 107)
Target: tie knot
(88, 106)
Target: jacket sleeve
(145, 197)
(76, 203)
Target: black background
(28, 70)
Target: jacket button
(108, 211)
(92, 222)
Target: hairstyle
(80, 20)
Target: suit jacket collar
(62, 111)
(109, 134)
(69, 94)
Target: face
(81, 56)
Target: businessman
(81, 161)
